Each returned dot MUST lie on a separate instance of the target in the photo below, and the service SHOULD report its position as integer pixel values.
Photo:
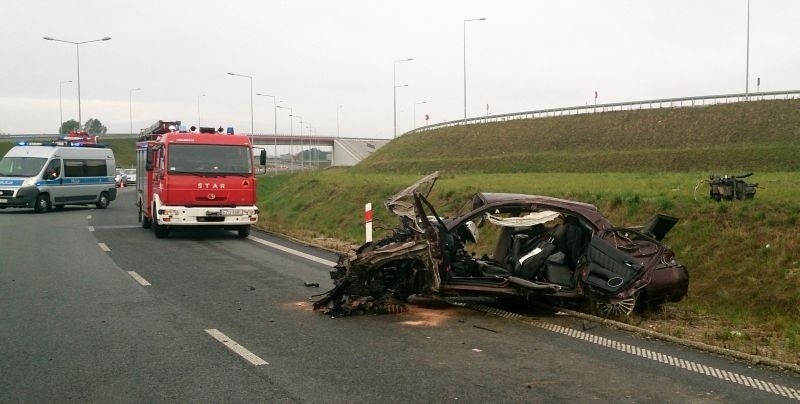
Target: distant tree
(94, 127)
(69, 126)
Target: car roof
(485, 201)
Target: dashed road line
(104, 247)
(721, 374)
(235, 347)
(292, 251)
(138, 278)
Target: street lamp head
(47, 38)
(232, 74)
(106, 38)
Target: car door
(609, 270)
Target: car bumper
(24, 198)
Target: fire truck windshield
(209, 159)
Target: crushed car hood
(402, 203)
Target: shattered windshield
(402, 203)
(21, 166)
(211, 159)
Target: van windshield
(21, 166)
(211, 159)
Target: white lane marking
(117, 226)
(91, 228)
(721, 374)
(104, 247)
(291, 251)
(238, 349)
(138, 278)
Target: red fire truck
(203, 178)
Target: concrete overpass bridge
(345, 151)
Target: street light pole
(301, 139)
(747, 65)
(291, 139)
(275, 120)
(130, 106)
(251, 103)
(465, 61)
(415, 112)
(198, 110)
(78, 53)
(60, 110)
(337, 119)
(394, 80)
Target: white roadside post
(368, 221)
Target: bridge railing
(618, 106)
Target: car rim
(613, 308)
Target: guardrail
(618, 106)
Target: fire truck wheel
(243, 231)
(42, 204)
(102, 203)
(144, 220)
(159, 230)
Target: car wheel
(42, 204)
(243, 231)
(615, 308)
(102, 202)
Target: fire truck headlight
(170, 212)
(250, 212)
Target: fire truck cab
(195, 179)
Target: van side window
(85, 168)
(54, 167)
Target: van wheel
(102, 203)
(243, 231)
(42, 204)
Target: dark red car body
(544, 248)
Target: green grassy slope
(759, 135)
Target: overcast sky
(318, 55)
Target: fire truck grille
(210, 219)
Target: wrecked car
(536, 248)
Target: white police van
(45, 175)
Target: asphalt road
(95, 308)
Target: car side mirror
(263, 157)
